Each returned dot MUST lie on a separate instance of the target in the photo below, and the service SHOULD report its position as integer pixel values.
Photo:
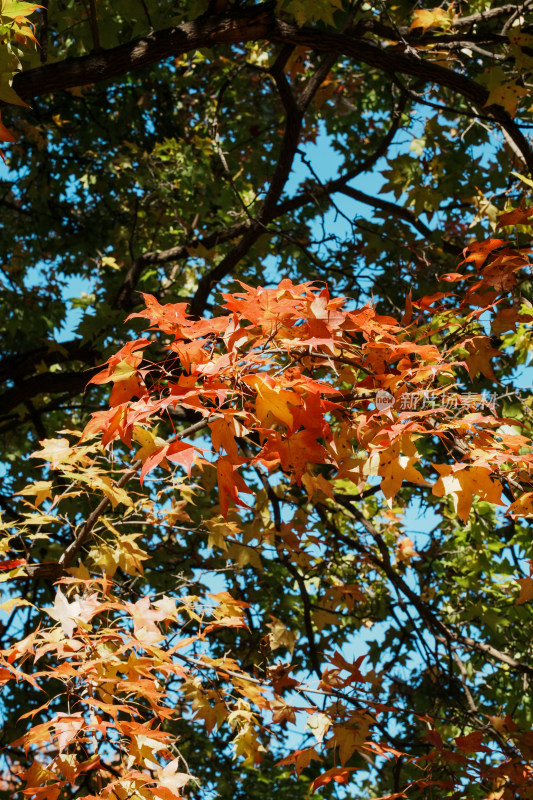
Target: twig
(71, 551)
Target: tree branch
(206, 31)
(383, 563)
(51, 570)
(294, 115)
(258, 23)
(83, 534)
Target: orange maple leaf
(336, 774)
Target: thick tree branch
(206, 31)
(294, 114)
(48, 383)
(394, 61)
(258, 23)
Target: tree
(270, 579)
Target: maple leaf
(17, 11)
(169, 318)
(395, 470)
(353, 669)
(471, 743)
(151, 462)
(319, 724)
(149, 442)
(71, 614)
(35, 735)
(143, 747)
(405, 550)
(294, 452)
(526, 590)
(437, 17)
(223, 433)
(229, 612)
(66, 729)
(506, 320)
(178, 452)
(123, 552)
(462, 482)
(37, 774)
(57, 451)
(171, 780)
(519, 216)
(336, 774)
(301, 759)
(127, 381)
(183, 454)
(349, 737)
(14, 602)
(273, 400)
(280, 636)
(522, 506)
(114, 493)
(123, 363)
(126, 388)
(230, 483)
(505, 93)
(281, 711)
(480, 351)
(42, 490)
(453, 277)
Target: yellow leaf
(122, 372)
(109, 261)
(505, 93)
(81, 572)
(395, 468)
(347, 738)
(272, 399)
(142, 749)
(395, 472)
(437, 18)
(11, 9)
(41, 490)
(124, 553)
(149, 442)
(463, 483)
(523, 178)
(15, 602)
(59, 451)
(115, 494)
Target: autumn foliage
(303, 405)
